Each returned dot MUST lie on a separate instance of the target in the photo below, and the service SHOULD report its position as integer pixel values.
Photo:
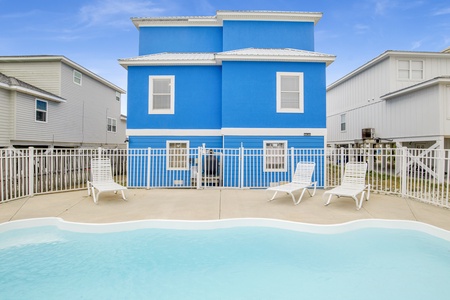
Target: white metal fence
(415, 173)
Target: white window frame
(77, 77)
(275, 162)
(40, 110)
(111, 125)
(171, 109)
(300, 92)
(118, 96)
(410, 69)
(177, 160)
(343, 123)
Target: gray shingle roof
(14, 83)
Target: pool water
(225, 263)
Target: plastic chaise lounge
(102, 180)
(301, 181)
(353, 183)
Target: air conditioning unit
(368, 133)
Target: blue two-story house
(238, 79)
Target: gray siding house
(399, 98)
(51, 101)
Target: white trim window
(275, 156)
(118, 96)
(161, 95)
(111, 125)
(343, 123)
(289, 92)
(410, 69)
(41, 111)
(177, 155)
(77, 77)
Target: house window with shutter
(275, 156)
(410, 69)
(41, 110)
(177, 155)
(289, 92)
(161, 95)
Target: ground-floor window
(177, 155)
(275, 156)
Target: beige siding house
(399, 97)
(84, 110)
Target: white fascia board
(60, 58)
(33, 93)
(173, 132)
(177, 22)
(225, 57)
(274, 131)
(416, 87)
(270, 16)
(229, 131)
(127, 63)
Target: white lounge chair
(102, 180)
(302, 180)
(353, 183)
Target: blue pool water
(225, 263)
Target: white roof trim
(31, 92)
(383, 56)
(229, 131)
(211, 59)
(67, 62)
(228, 15)
(416, 87)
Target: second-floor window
(161, 95)
(41, 110)
(343, 122)
(77, 77)
(118, 95)
(289, 92)
(410, 69)
(275, 156)
(177, 155)
(112, 125)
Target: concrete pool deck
(214, 204)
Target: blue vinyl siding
(179, 39)
(249, 95)
(264, 34)
(197, 98)
(256, 142)
(139, 142)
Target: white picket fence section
(421, 174)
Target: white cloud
(443, 11)
(111, 12)
(361, 28)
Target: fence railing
(422, 174)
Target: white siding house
(402, 97)
(87, 112)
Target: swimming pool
(229, 259)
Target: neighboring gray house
(399, 97)
(50, 101)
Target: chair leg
(301, 196)
(273, 197)
(123, 195)
(358, 206)
(329, 200)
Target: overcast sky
(96, 33)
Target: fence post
(149, 150)
(31, 171)
(292, 163)
(99, 152)
(199, 179)
(241, 167)
(403, 172)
